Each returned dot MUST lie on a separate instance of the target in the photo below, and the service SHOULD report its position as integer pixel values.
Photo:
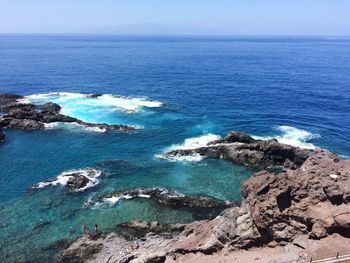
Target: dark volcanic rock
(58, 118)
(27, 124)
(170, 198)
(105, 126)
(77, 181)
(2, 136)
(235, 137)
(74, 181)
(242, 149)
(50, 108)
(94, 96)
(6, 98)
(29, 116)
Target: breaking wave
(189, 143)
(72, 126)
(293, 136)
(194, 142)
(96, 108)
(66, 99)
(62, 179)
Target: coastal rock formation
(19, 115)
(201, 206)
(75, 181)
(168, 197)
(240, 148)
(310, 198)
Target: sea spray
(189, 143)
(89, 176)
(292, 136)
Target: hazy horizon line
(174, 34)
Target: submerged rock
(2, 136)
(166, 197)
(139, 229)
(57, 245)
(33, 117)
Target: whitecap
(292, 136)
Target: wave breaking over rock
(292, 136)
(189, 143)
(20, 113)
(163, 196)
(243, 149)
(71, 101)
(75, 180)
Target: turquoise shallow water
(183, 92)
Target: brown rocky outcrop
(311, 200)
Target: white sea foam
(112, 200)
(64, 177)
(189, 143)
(68, 99)
(92, 179)
(194, 157)
(60, 180)
(293, 136)
(74, 126)
(144, 196)
(194, 142)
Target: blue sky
(245, 17)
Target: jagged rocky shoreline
(18, 115)
(308, 198)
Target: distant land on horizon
(152, 29)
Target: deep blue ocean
(180, 92)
